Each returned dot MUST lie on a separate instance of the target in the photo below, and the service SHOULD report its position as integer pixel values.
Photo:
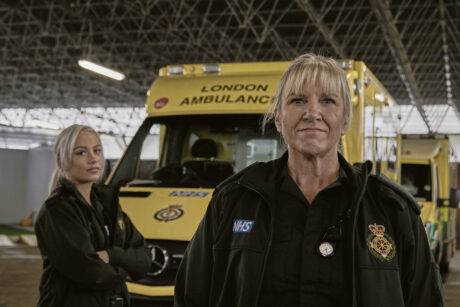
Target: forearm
(135, 260)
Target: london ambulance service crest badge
(173, 212)
(121, 224)
(380, 244)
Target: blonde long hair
(63, 148)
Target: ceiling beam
(393, 38)
(447, 64)
(317, 19)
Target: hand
(103, 255)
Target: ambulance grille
(166, 257)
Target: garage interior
(411, 47)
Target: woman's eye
(80, 153)
(98, 151)
(329, 101)
(297, 101)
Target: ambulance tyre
(445, 260)
(437, 253)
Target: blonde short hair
(316, 70)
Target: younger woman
(88, 244)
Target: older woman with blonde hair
(88, 245)
(309, 229)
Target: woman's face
(87, 159)
(311, 123)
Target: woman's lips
(311, 129)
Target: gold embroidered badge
(173, 212)
(121, 224)
(380, 244)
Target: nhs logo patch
(242, 225)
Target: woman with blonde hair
(309, 229)
(88, 245)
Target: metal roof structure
(411, 46)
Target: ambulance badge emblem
(380, 244)
(173, 212)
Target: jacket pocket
(380, 286)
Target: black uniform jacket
(391, 266)
(69, 234)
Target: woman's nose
(92, 157)
(312, 110)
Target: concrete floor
(452, 282)
(20, 270)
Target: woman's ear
(277, 121)
(344, 127)
(58, 161)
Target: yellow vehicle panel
(249, 92)
(149, 290)
(162, 215)
(428, 213)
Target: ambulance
(431, 178)
(202, 126)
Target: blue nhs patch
(242, 225)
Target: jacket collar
(106, 194)
(263, 176)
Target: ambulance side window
(416, 179)
(150, 153)
(262, 150)
(250, 146)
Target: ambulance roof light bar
(176, 70)
(211, 68)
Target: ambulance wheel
(437, 254)
(445, 260)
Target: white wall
(24, 178)
(12, 185)
(40, 165)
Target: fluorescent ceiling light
(14, 146)
(34, 145)
(101, 70)
(43, 124)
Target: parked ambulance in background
(203, 125)
(431, 178)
